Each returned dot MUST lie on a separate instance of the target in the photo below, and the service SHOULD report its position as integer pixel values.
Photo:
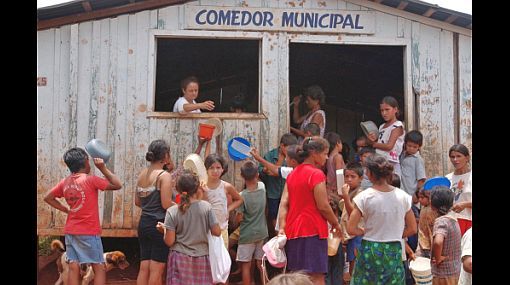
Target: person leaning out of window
(187, 104)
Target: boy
(82, 229)
(363, 154)
(253, 228)
(312, 129)
(425, 224)
(411, 164)
(353, 175)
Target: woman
(315, 98)
(187, 104)
(305, 211)
(460, 180)
(154, 196)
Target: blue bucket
(436, 181)
(233, 153)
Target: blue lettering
(257, 18)
(322, 18)
(268, 18)
(224, 17)
(356, 23)
(302, 18)
(337, 20)
(288, 20)
(245, 18)
(348, 21)
(197, 18)
(212, 17)
(235, 17)
(310, 19)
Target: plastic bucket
(98, 149)
(420, 268)
(369, 127)
(205, 130)
(195, 163)
(238, 148)
(436, 181)
(218, 126)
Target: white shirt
(179, 106)
(284, 171)
(465, 277)
(384, 137)
(383, 213)
(461, 185)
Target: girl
(187, 104)
(216, 192)
(460, 180)
(315, 98)
(335, 161)
(387, 216)
(446, 248)
(154, 196)
(391, 134)
(425, 224)
(185, 231)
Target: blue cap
(234, 154)
(436, 181)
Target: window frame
(156, 34)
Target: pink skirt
(183, 269)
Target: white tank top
(309, 119)
(218, 200)
(384, 137)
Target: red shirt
(303, 216)
(81, 191)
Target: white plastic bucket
(369, 127)
(195, 163)
(420, 268)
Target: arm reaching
(115, 183)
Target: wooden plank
(223, 116)
(429, 12)
(73, 84)
(229, 131)
(465, 91)
(283, 92)
(404, 28)
(84, 84)
(45, 62)
(447, 95)
(168, 18)
(104, 232)
(402, 5)
(386, 25)
(270, 83)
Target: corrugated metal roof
(86, 10)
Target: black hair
(366, 149)
(390, 100)
(315, 92)
(315, 144)
(238, 102)
(249, 170)
(157, 150)
(288, 139)
(354, 142)
(292, 153)
(188, 80)
(414, 136)
(356, 167)
(75, 159)
(379, 166)
(313, 128)
(333, 138)
(212, 158)
(346, 152)
(394, 180)
(441, 198)
(460, 148)
(187, 184)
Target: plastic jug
(98, 149)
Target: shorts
(272, 206)
(248, 251)
(152, 244)
(84, 248)
(352, 244)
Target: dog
(113, 259)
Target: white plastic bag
(219, 259)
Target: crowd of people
(382, 213)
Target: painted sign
(269, 19)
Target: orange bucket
(205, 131)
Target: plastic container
(436, 181)
(333, 243)
(421, 270)
(218, 126)
(205, 130)
(98, 149)
(339, 180)
(369, 127)
(195, 163)
(238, 148)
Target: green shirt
(274, 184)
(253, 226)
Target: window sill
(224, 116)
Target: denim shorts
(352, 244)
(84, 248)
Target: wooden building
(111, 69)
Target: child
(187, 104)
(238, 105)
(358, 144)
(82, 229)
(335, 161)
(446, 239)
(292, 160)
(363, 154)
(425, 224)
(387, 215)
(412, 165)
(185, 232)
(391, 133)
(216, 192)
(253, 228)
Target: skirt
(182, 269)
(309, 254)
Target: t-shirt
(449, 228)
(254, 225)
(179, 106)
(461, 186)
(191, 228)
(303, 216)
(413, 169)
(384, 137)
(80, 193)
(274, 184)
(465, 277)
(383, 213)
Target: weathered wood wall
(98, 79)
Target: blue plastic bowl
(436, 181)
(234, 154)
